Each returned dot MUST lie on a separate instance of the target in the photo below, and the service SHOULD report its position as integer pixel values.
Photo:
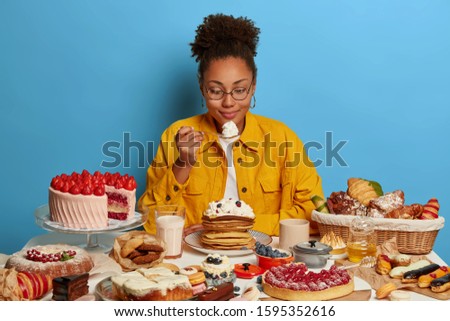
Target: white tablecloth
(190, 257)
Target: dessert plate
(193, 241)
(42, 215)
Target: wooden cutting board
(376, 281)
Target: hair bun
(219, 29)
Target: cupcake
(218, 269)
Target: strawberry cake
(88, 200)
(294, 282)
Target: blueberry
(208, 275)
(259, 279)
(237, 289)
(219, 205)
(210, 259)
(224, 274)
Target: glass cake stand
(42, 217)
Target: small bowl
(266, 262)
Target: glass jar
(362, 239)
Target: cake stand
(42, 216)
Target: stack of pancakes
(227, 232)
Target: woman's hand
(188, 142)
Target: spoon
(366, 262)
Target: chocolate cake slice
(70, 288)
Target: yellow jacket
(274, 175)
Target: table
(190, 257)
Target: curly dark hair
(221, 36)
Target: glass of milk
(169, 227)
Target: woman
(265, 165)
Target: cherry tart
(294, 282)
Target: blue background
(75, 75)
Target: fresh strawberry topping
(91, 184)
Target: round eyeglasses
(240, 93)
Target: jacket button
(244, 189)
(236, 144)
(239, 160)
(175, 188)
(167, 198)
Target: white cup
(169, 227)
(292, 232)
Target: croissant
(363, 190)
(430, 210)
(407, 212)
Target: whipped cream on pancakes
(227, 207)
(229, 129)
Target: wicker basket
(413, 236)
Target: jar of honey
(362, 239)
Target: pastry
(441, 284)
(383, 291)
(320, 204)
(363, 190)
(87, 200)
(53, 260)
(430, 210)
(153, 284)
(399, 295)
(342, 203)
(413, 275)
(406, 212)
(70, 288)
(397, 272)
(383, 265)
(20, 286)
(425, 280)
(294, 282)
(382, 205)
(137, 249)
(222, 292)
(400, 260)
